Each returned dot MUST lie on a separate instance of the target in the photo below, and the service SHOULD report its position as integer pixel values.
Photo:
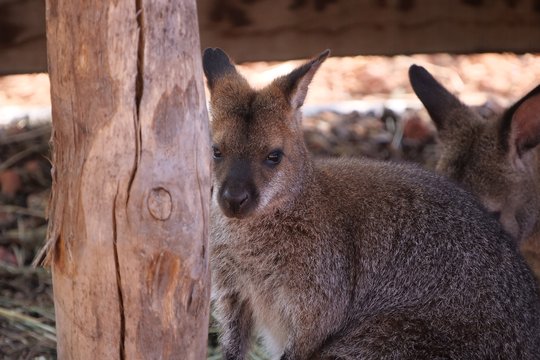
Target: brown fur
(496, 159)
(350, 259)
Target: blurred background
(360, 103)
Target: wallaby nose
(236, 198)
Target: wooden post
(129, 207)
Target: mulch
(26, 301)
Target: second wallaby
(498, 159)
(349, 259)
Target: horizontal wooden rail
(289, 29)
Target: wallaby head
(260, 159)
(493, 158)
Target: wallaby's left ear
(295, 84)
(440, 103)
(216, 63)
(520, 127)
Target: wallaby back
(349, 259)
(497, 159)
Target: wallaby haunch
(350, 259)
(496, 159)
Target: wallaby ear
(520, 127)
(438, 101)
(296, 83)
(216, 64)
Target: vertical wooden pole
(129, 207)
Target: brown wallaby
(497, 159)
(350, 259)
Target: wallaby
(349, 259)
(496, 159)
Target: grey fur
(353, 259)
(497, 159)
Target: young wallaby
(497, 159)
(349, 259)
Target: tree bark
(127, 238)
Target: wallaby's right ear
(295, 85)
(216, 64)
(520, 126)
(438, 101)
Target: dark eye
(495, 214)
(216, 153)
(274, 157)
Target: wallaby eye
(274, 157)
(216, 153)
(495, 214)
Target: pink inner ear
(526, 124)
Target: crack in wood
(190, 297)
(200, 188)
(122, 347)
(139, 87)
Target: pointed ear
(520, 125)
(295, 85)
(216, 64)
(439, 102)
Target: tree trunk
(129, 209)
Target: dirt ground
(388, 124)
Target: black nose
(236, 198)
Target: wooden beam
(22, 37)
(129, 209)
(288, 29)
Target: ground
(388, 123)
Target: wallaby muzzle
(238, 194)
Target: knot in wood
(160, 203)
